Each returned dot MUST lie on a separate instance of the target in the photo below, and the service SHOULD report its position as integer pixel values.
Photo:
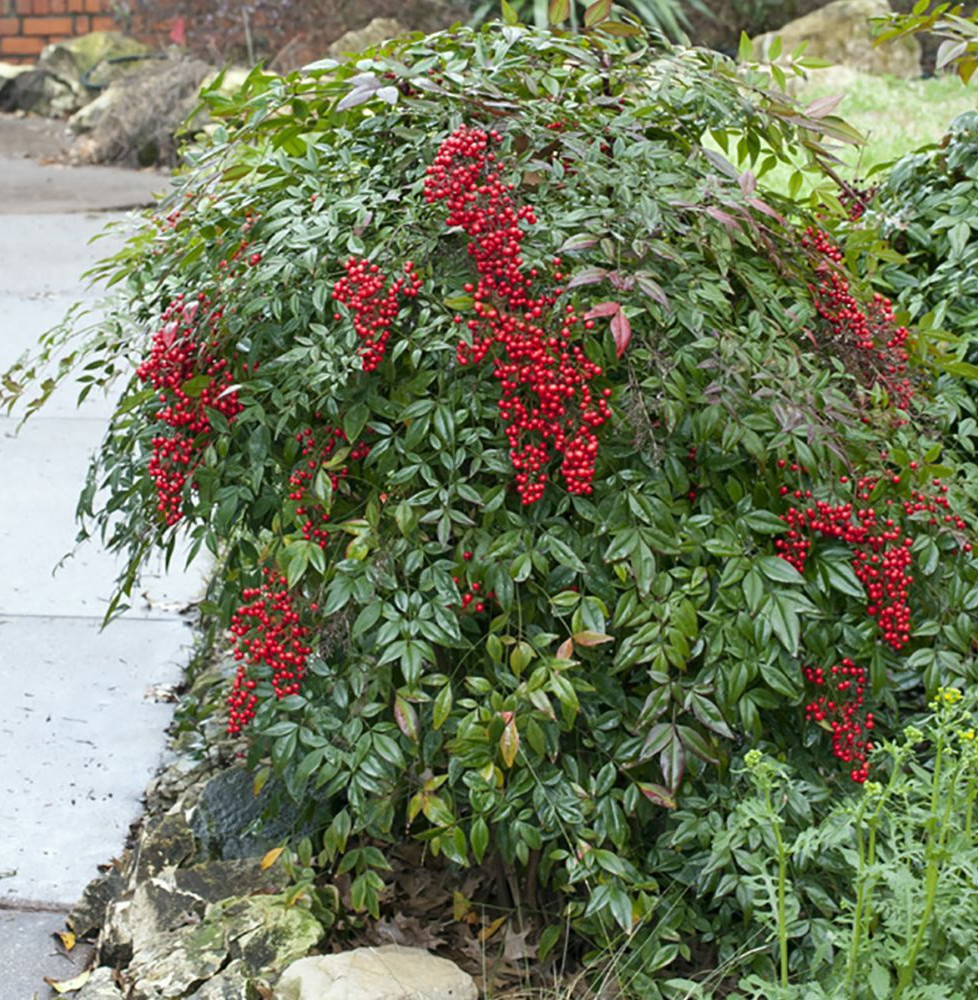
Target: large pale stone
(380, 29)
(841, 33)
(387, 973)
(252, 937)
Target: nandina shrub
(544, 461)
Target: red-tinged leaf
(589, 638)
(566, 649)
(623, 282)
(652, 288)
(672, 760)
(406, 718)
(823, 106)
(599, 11)
(559, 11)
(657, 794)
(620, 30)
(697, 745)
(509, 743)
(621, 330)
(582, 241)
(765, 208)
(602, 309)
(728, 220)
(587, 276)
(748, 183)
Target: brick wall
(26, 26)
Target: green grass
(896, 116)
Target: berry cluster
(547, 405)
(374, 306)
(268, 635)
(866, 338)
(314, 454)
(176, 361)
(856, 199)
(839, 709)
(878, 535)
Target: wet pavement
(82, 710)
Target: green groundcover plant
(544, 461)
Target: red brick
(21, 46)
(47, 26)
(76, 6)
(25, 6)
(95, 6)
(59, 6)
(9, 25)
(104, 24)
(40, 7)
(82, 24)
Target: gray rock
(73, 58)
(88, 116)
(138, 125)
(257, 936)
(175, 898)
(387, 973)
(230, 983)
(166, 842)
(266, 933)
(213, 881)
(90, 912)
(39, 92)
(177, 963)
(841, 34)
(226, 812)
(100, 986)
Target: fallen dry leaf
(67, 939)
(490, 929)
(68, 985)
(271, 857)
(516, 948)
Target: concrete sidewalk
(81, 718)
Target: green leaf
(779, 570)
(559, 11)
(711, 716)
(509, 13)
(442, 706)
(479, 838)
(564, 554)
(354, 420)
(548, 940)
(838, 574)
(780, 614)
(621, 908)
(745, 49)
(764, 522)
